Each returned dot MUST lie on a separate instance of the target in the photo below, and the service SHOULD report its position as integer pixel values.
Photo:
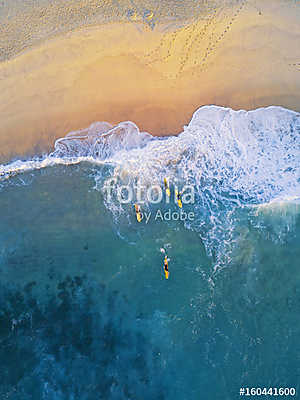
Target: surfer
(178, 197)
(132, 15)
(167, 187)
(149, 15)
(166, 267)
(138, 213)
(149, 18)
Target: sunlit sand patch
(23, 25)
(165, 48)
(191, 45)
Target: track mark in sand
(213, 46)
(167, 42)
(187, 49)
(191, 38)
(157, 49)
(170, 44)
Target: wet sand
(244, 57)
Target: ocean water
(85, 310)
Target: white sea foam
(252, 154)
(232, 158)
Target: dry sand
(245, 56)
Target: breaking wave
(233, 159)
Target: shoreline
(156, 79)
(45, 159)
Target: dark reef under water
(79, 343)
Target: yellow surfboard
(138, 213)
(166, 270)
(149, 16)
(179, 202)
(167, 187)
(134, 17)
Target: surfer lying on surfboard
(166, 263)
(166, 267)
(167, 187)
(178, 197)
(138, 212)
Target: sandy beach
(245, 56)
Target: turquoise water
(86, 312)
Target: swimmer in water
(167, 187)
(178, 197)
(166, 267)
(138, 212)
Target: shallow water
(85, 309)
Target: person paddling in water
(138, 213)
(166, 267)
(166, 263)
(178, 198)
